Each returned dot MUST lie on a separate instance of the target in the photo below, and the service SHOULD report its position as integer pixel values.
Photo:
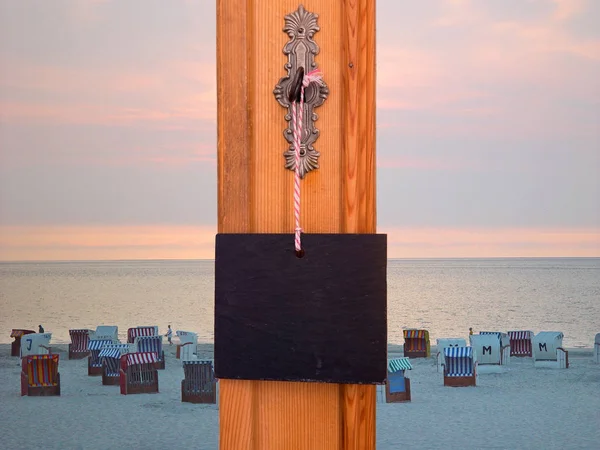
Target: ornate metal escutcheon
(301, 49)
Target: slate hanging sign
(322, 317)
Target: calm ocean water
(444, 296)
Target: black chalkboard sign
(322, 317)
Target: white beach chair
(188, 344)
(548, 351)
(35, 344)
(488, 352)
(441, 344)
(597, 349)
(105, 333)
(505, 348)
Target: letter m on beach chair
(78, 348)
(152, 344)
(199, 384)
(39, 375)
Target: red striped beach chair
(397, 386)
(548, 351)
(94, 361)
(199, 384)
(188, 344)
(138, 374)
(132, 333)
(39, 375)
(36, 344)
(78, 348)
(460, 367)
(416, 343)
(520, 343)
(17, 334)
(151, 344)
(110, 356)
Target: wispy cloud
(154, 242)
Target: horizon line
(213, 259)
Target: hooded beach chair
(443, 343)
(39, 375)
(188, 344)
(151, 344)
(548, 351)
(103, 335)
(138, 374)
(397, 386)
(94, 360)
(132, 333)
(460, 367)
(416, 343)
(17, 334)
(488, 352)
(78, 348)
(36, 344)
(520, 343)
(199, 384)
(106, 333)
(597, 348)
(110, 357)
(504, 345)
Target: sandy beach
(524, 408)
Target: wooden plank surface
(255, 196)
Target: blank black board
(322, 317)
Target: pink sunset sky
(488, 118)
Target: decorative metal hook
(301, 49)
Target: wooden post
(255, 196)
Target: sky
(488, 128)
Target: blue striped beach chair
(151, 344)
(94, 361)
(199, 384)
(110, 356)
(460, 367)
(397, 386)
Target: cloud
(106, 243)
(197, 242)
(491, 242)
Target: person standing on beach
(169, 335)
(471, 331)
(40, 329)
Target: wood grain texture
(320, 318)
(255, 196)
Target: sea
(444, 296)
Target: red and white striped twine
(297, 116)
